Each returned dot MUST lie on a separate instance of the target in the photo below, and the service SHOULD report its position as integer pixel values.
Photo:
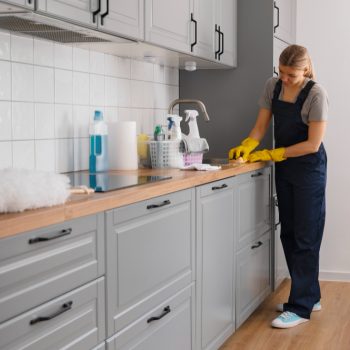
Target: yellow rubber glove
(276, 155)
(244, 149)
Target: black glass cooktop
(104, 182)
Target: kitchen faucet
(198, 102)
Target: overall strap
(277, 89)
(305, 92)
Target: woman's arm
(312, 144)
(261, 124)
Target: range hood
(27, 22)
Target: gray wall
(231, 95)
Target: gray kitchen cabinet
(168, 24)
(226, 43)
(205, 14)
(253, 276)
(150, 255)
(78, 11)
(24, 3)
(253, 206)
(123, 17)
(74, 320)
(278, 47)
(117, 17)
(285, 20)
(215, 320)
(167, 326)
(39, 265)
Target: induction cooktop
(104, 182)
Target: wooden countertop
(81, 205)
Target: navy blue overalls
(300, 187)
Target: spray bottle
(176, 129)
(191, 117)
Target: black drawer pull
(166, 310)
(257, 245)
(106, 13)
(64, 308)
(278, 17)
(95, 13)
(219, 187)
(49, 238)
(152, 206)
(195, 32)
(256, 175)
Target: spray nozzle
(191, 114)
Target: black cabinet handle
(195, 32)
(278, 17)
(166, 310)
(274, 71)
(64, 308)
(219, 187)
(29, 2)
(95, 13)
(152, 206)
(257, 245)
(50, 237)
(256, 175)
(106, 13)
(219, 41)
(222, 45)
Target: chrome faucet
(198, 102)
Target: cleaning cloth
(194, 145)
(202, 167)
(22, 189)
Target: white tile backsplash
(5, 46)
(49, 91)
(23, 121)
(5, 154)
(22, 49)
(5, 121)
(23, 154)
(5, 80)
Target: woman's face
(291, 76)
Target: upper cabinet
(226, 20)
(168, 23)
(24, 3)
(113, 16)
(123, 17)
(285, 20)
(203, 28)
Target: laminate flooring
(328, 329)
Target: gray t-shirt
(315, 107)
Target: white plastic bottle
(98, 160)
(191, 117)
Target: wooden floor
(328, 329)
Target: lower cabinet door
(169, 326)
(253, 277)
(74, 320)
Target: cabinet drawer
(34, 270)
(253, 206)
(149, 258)
(76, 321)
(217, 187)
(173, 331)
(151, 206)
(253, 276)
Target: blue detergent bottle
(98, 160)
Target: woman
(299, 107)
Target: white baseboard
(334, 276)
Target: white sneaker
(288, 319)
(317, 307)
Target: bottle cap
(98, 115)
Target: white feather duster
(22, 189)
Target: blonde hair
(297, 56)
